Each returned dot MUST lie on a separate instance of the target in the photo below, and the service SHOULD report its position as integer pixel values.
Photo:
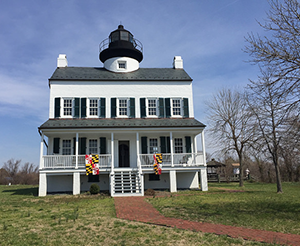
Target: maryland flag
(157, 162)
(92, 164)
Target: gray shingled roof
(101, 74)
(120, 123)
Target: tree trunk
(241, 171)
(278, 178)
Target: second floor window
(123, 107)
(176, 107)
(152, 107)
(67, 107)
(93, 107)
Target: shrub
(94, 189)
(150, 192)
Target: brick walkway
(137, 209)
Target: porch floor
(137, 209)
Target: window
(66, 147)
(153, 145)
(93, 107)
(122, 64)
(151, 107)
(93, 146)
(67, 107)
(178, 145)
(123, 107)
(176, 107)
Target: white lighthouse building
(123, 114)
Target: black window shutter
(161, 108)
(188, 144)
(132, 107)
(168, 144)
(102, 146)
(76, 108)
(185, 107)
(56, 146)
(74, 146)
(113, 103)
(82, 146)
(102, 107)
(57, 107)
(83, 107)
(168, 107)
(143, 107)
(163, 147)
(144, 145)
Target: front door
(124, 154)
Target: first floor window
(66, 147)
(153, 145)
(123, 107)
(176, 106)
(94, 107)
(93, 146)
(68, 107)
(178, 145)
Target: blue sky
(208, 35)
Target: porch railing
(179, 160)
(69, 161)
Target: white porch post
(111, 178)
(171, 147)
(203, 172)
(76, 183)
(76, 151)
(195, 151)
(139, 162)
(173, 181)
(43, 184)
(42, 152)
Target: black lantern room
(121, 44)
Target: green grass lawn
(26, 219)
(258, 206)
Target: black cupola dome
(121, 44)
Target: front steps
(126, 183)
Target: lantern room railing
(136, 44)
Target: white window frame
(152, 145)
(66, 148)
(148, 108)
(122, 65)
(95, 140)
(127, 107)
(173, 108)
(63, 108)
(89, 108)
(178, 144)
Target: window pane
(123, 107)
(67, 106)
(93, 146)
(153, 145)
(152, 106)
(124, 35)
(178, 145)
(176, 107)
(93, 107)
(66, 148)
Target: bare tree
(279, 49)
(272, 108)
(230, 126)
(12, 169)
